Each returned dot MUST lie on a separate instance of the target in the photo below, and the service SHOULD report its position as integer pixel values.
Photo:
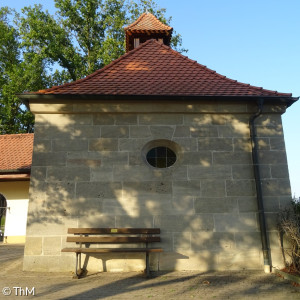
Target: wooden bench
(84, 237)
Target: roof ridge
(152, 18)
(135, 22)
(96, 72)
(106, 82)
(220, 75)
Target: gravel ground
(164, 285)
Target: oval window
(161, 157)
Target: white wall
(16, 217)
(16, 194)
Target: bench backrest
(113, 235)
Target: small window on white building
(136, 42)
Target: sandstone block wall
(89, 170)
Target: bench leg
(147, 265)
(78, 262)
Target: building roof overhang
(56, 98)
(15, 175)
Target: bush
(289, 225)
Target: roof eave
(15, 171)
(289, 100)
(14, 177)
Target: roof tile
(147, 22)
(156, 69)
(16, 151)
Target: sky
(252, 41)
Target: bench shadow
(85, 272)
(118, 287)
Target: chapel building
(155, 139)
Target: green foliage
(289, 225)
(2, 222)
(13, 75)
(39, 50)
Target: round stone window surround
(162, 143)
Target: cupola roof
(145, 28)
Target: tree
(39, 50)
(13, 73)
(289, 225)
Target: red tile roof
(155, 69)
(16, 152)
(148, 22)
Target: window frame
(174, 147)
(161, 157)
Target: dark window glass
(161, 157)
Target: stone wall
(89, 170)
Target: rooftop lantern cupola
(147, 27)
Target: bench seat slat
(113, 239)
(109, 250)
(114, 230)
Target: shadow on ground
(175, 285)
(162, 285)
